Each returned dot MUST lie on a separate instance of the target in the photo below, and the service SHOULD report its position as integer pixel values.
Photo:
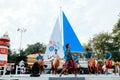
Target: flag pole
(61, 21)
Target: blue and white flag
(55, 42)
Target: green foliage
(101, 41)
(116, 41)
(22, 52)
(111, 41)
(116, 27)
(35, 48)
(12, 57)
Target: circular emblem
(51, 48)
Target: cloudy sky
(87, 17)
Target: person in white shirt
(54, 62)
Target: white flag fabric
(55, 42)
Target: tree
(31, 49)
(11, 56)
(116, 35)
(35, 48)
(22, 52)
(116, 41)
(101, 41)
(111, 41)
(116, 29)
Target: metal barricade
(3, 70)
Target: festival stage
(64, 77)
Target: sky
(38, 17)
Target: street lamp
(21, 30)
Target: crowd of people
(95, 64)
